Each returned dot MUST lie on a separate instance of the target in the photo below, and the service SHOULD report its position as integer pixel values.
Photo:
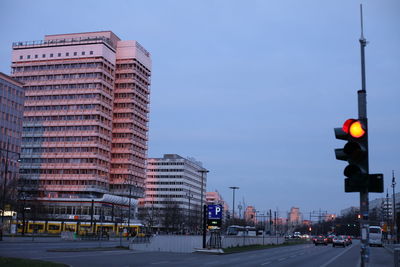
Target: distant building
(250, 215)
(11, 111)
(175, 191)
(294, 216)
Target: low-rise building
(175, 193)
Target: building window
(91, 52)
(67, 54)
(75, 53)
(83, 53)
(59, 54)
(44, 55)
(51, 55)
(36, 56)
(29, 56)
(20, 57)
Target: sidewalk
(390, 247)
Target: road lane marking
(282, 259)
(266, 263)
(337, 256)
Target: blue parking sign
(215, 212)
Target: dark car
(330, 238)
(350, 239)
(320, 240)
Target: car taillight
(325, 239)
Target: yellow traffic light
(356, 129)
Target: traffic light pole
(362, 115)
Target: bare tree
(150, 216)
(173, 218)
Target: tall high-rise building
(85, 118)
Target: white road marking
(337, 256)
(266, 263)
(282, 259)
(159, 262)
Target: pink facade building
(85, 118)
(250, 215)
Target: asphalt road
(290, 256)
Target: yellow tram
(81, 227)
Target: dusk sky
(253, 89)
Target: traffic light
(355, 152)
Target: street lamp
(233, 190)
(394, 208)
(203, 171)
(190, 196)
(4, 191)
(5, 175)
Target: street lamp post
(394, 208)
(202, 171)
(189, 195)
(4, 191)
(233, 207)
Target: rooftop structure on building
(85, 119)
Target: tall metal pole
(362, 114)
(233, 190)
(4, 191)
(394, 208)
(129, 209)
(203, 171)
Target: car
(350, 240)
(330, 238)
(339, 241)
(320, 240)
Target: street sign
(214, 212)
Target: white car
(339, 241)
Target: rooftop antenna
(362, 23)
(363, 43)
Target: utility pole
(362, 115)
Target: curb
(210, 251)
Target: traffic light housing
(355, 152)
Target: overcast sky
(253, 89)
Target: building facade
(175, 193)
(85, 119)
(11, 111)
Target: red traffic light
(354, 127)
